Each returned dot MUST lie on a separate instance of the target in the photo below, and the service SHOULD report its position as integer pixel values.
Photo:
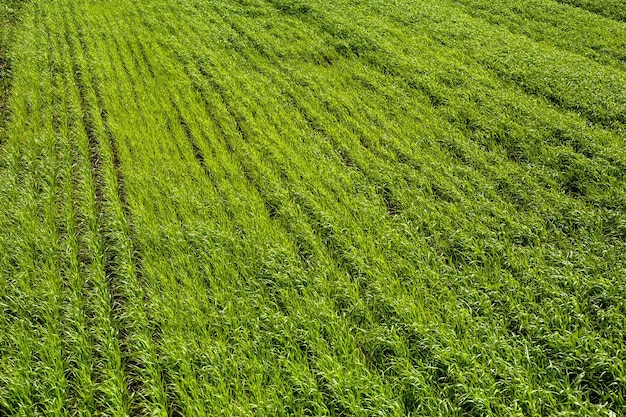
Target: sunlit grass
(271, 207)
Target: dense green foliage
(279, 207)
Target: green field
(307, 207)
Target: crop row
(296, 208)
